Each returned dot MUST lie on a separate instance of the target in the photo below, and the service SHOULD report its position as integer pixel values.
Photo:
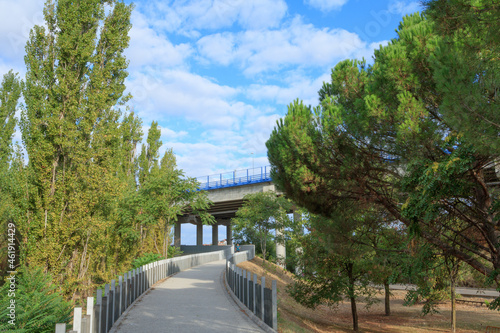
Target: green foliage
(336, 266)
(384, 136)
(10, 91)
(146, 259)
(38, 303)
(262, 212)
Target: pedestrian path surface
(194, 300)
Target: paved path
(194, 301)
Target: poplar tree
(10, 91)
(70, 126)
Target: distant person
(237, 247)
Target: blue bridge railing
(235, 178)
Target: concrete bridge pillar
(280, 248)
(229, 234)
(215, 234)
(177, 234)
(199, 234)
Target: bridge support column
(199, 234)
(229, 234)
(280, 248)
(177, 234)
(215, 234)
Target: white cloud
(326, 5)
(16, 20)
(189, 17)
(299, 86)
(405, 7)
(148, 47)
(176, 93)
(296, 44)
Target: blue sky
(217, 74)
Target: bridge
(226, 191)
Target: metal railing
(235, 178)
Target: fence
(108, 305)
(235, 178)
(262, 301)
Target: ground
(292, 317)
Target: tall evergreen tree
(380, 136)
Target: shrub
(38, 304)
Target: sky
(217, 74)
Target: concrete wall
(238, 192)
(247, 253)
(195, 249)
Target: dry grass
(292, 317)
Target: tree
(379, 136)
(337, 263)
(262, 212)
(72, 133)
(467, 68)
(10, 91)
(166, 194)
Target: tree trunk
(453, 275)
(352, 297)
(387, 298)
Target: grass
(293, 317)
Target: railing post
(77, 320)
(90, 313)
(116, 300)
(98, 312)
(120, 298)
(86, 319)
(109, 304)
(61, 328)
(262, 287)
(104, 314)
(112, 301)
(275, 305)
(249, 281)
(255, 280)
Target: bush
(38, 304)
(146, 259)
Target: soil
(292, 317)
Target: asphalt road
(194, 301)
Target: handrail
(235, 178)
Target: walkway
(194, 301)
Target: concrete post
(280, 249)
(229, 234)
(215, 234)
(108, 307)
(120, 298)
(98, 312)
(90, 313)
(275, 305)
(61, 328)
(85, 324)
(77, 320)
(199, 234)
(177, 234)
(262, 299)
(255, 279)
(249, 280)
(112, 305)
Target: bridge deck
(194, 301)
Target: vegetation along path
(191, 301)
